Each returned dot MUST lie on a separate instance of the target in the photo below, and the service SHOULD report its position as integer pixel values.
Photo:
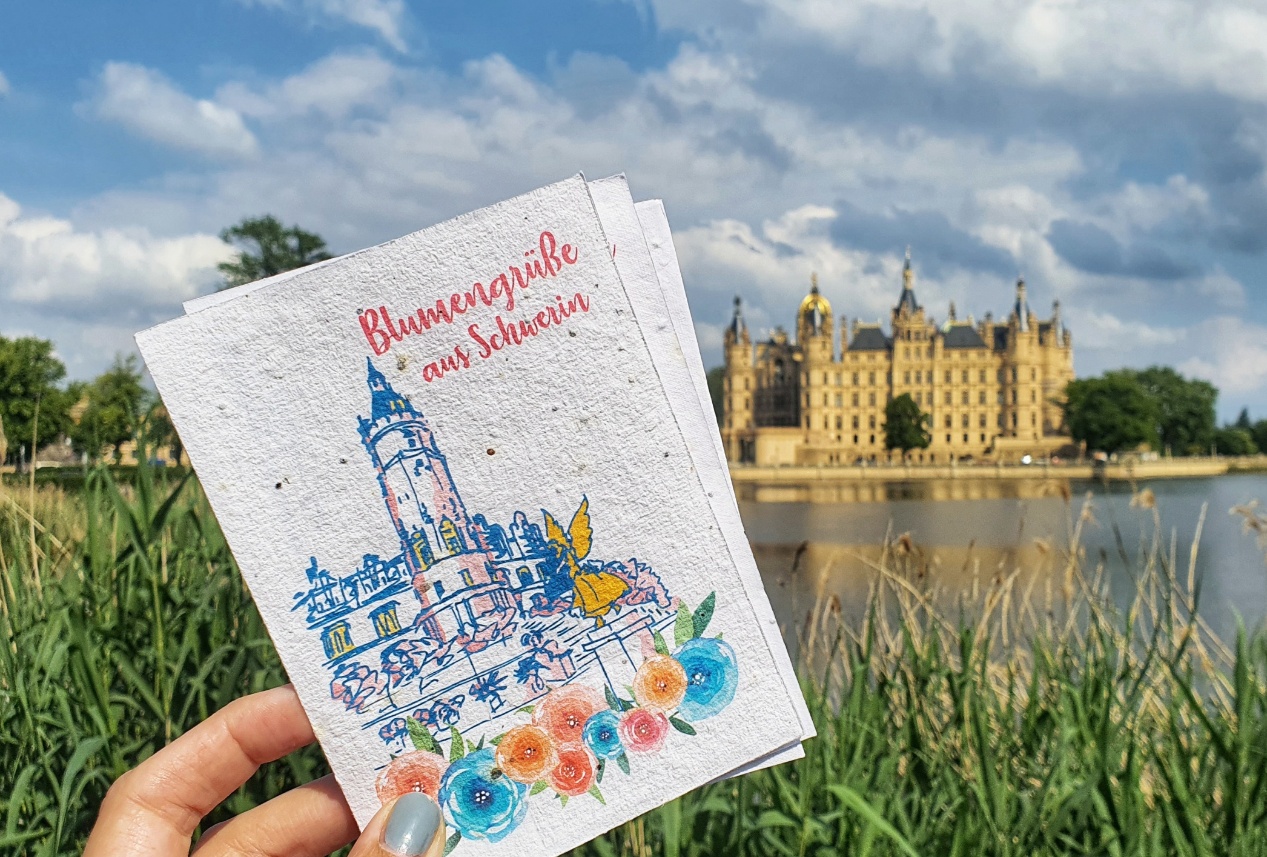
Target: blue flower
(600, 735)
(712, 673)
(478, 803)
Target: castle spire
(906, 301)
(738, 326)
(1021, 309)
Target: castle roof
(385, 403)
(814, 302)
(869, 338)
(963, 336)
(906, 301)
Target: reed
(1034, 715)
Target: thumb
(410, 826)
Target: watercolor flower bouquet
(570, 736)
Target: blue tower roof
(386, 403)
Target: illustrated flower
(712, 675)
(574, 773)
(643, 731)
(525, 754)
(602, 735)
(660, 683)
(478, 803)
(419, 771)
(564, 711)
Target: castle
(471, 619)
(992, 390)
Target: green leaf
(684, 627)
(538, 787)
(597, 795)
(855, 801)
(494, 741)
(612, 702)
(661, 647)
(598, 773)
(681, 726)
(421, 737)
(471, 746)
(623, 761)
(457, 748)
(452, 842)
(563, 800)
(704, 614)
(527, 709)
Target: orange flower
(660, 683)
(525, 754)
(419, 771)
(574, 772)
(563, 712)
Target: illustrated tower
(418, 489)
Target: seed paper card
(453, 479)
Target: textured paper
(266, 391)
(651, 277)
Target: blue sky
(1115, 160)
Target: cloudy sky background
(1112, 157)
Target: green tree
(906, 427)
(716, 387)
(1243, 421)
(115, 404)
(1234, 440)
(1260, 435)
(266, 247)
(1111, 413)
(1184, 409)
(34, 410)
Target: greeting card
(452, 476)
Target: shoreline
(878, 483)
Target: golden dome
(814, 301)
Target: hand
(153, 810)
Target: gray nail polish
(412, 825)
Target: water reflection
(966, 542)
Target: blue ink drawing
(470, 620)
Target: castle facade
(992, 390)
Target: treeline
(1157, 408)
(37, 409)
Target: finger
(410, 826)
(154, 808)
(309, 821)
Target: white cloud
(332, 86)
(385, 17)
(47, 262)
(148, 104)
(1099, 330)
(1231, 353)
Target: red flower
(525, 754)
(419, 771)
(574, 773)
(563, 712)
(643, 731)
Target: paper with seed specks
(474, 527)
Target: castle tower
(914, 345)
(739, 386)
(1023, 371)
(815, 336)
(414, 476)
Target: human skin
(154, 809)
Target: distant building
(992, 389)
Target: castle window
(964, 397)
(855, 439)
(1033, 419)
(1014, 397)
(824, 400)
(1014, 375)
(870, 377)
(948, 376)
(871, 398)
(981, 398)
(965, 376)
(906, 353)
(1000, 421)
(965, 422)
(855, 379)
(983, 438)
(872, 424)
(919, 377)
(982, 421)
(950, 397)
(825, 425)
(855, 423)
(919, 398)
(1033, 374)
(1033, 395)
(982, 376)
(1013, 420)
(906, 378)
(965, 438)
(385, 622)
(947, 438)
(873, 439)
(839, 400)
(854, 399)
(337, 640)
(948, 423)
(839, 423)
(1000, 397)
(745, 384)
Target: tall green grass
(1035, 718)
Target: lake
(967, 543)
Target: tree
(906, 427)
(1234, 440)
(1111, 413)
(33, 409)
(1260, 435)
(266, 248)
(716, 388)
(115, 403)
(1184, 409)
(1243, 422)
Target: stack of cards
(473, 480)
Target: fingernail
(412, 825)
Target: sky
(1114, 159)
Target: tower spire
(906, 301)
